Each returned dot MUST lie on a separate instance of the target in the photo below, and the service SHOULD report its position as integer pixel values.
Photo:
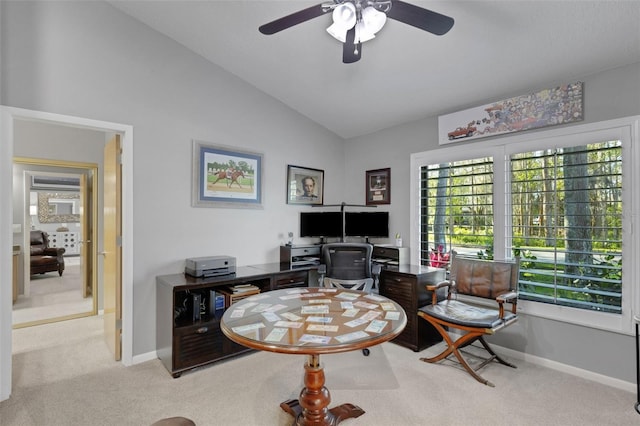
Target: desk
(314, 321)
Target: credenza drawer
(292, 279)
(305, 251)
(197, 344)
(399, 290)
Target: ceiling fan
(357, 21)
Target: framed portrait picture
(304, 185)
(378, 186)
(226, 177)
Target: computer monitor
(321, 224)
(366, 224)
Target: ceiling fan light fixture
(344, 18)
(373, 19)
(356, 21)
(338, 32)
(345, 15)
(363, 33)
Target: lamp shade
(345, 15)
(344, 18)
(373, 19)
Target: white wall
(89, 60)
(608, 95)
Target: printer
(210, 266)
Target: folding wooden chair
(493, 280)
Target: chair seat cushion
(464, 314)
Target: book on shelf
(216, 302)
(231, 296)
(243, 288)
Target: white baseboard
(543, 362)
(569, 369)
(564, 368)
(139, 359)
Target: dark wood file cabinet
(405, 285)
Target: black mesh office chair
(349, 265)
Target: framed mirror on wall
(58, 207)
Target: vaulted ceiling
(495, 49)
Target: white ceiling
(495, 49)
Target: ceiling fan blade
(351, 52)
(293, 19)
(418, 17)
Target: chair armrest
(507, 297)
(435, 287)
(376, 270)
(53, 251)
(322, 271)
(510, 297)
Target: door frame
(81, 168)
(7, 117)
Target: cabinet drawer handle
(202, 330)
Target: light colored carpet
(352, 370)
(53, 296)
(63, 375)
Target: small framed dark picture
(304, 185)
(378, 186)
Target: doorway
(9, 116)
(60, 208)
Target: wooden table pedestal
(311, 408)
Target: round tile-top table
(314, 321)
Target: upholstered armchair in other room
(45, 258)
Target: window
(457, 207)
(559, 199)
(566, 214)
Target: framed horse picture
(226, 177)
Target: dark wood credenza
(184, 343)
(405, 284)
